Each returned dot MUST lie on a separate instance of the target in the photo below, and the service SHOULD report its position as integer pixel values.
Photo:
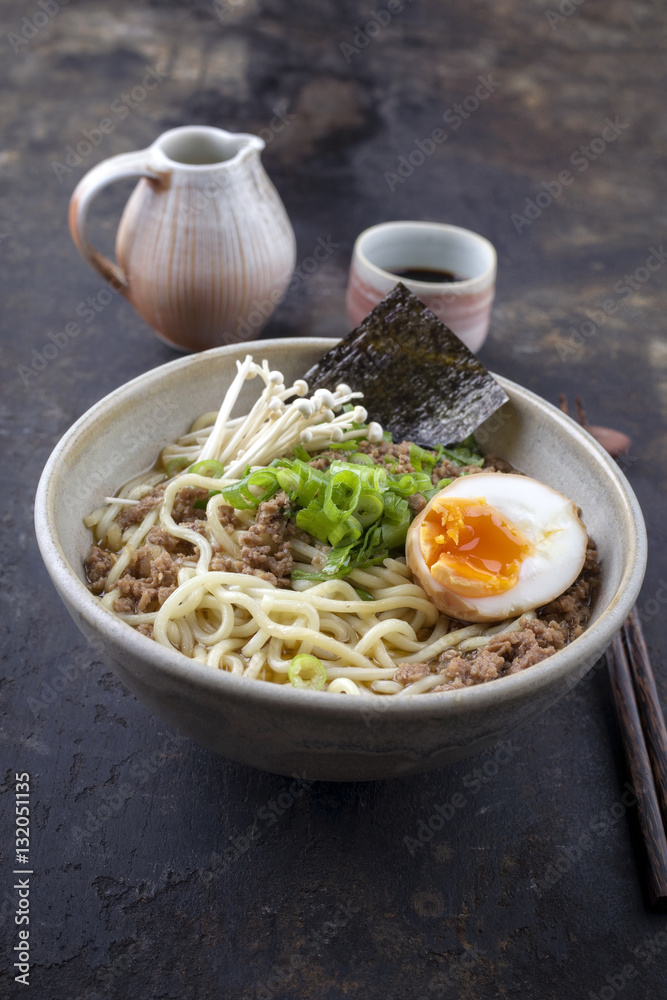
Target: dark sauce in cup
(429, 274)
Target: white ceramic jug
(205, 248)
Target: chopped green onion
(408, 483)
(240, 495)
(422, 460)
(357, 507)
(345, 532)
(369, 509)
(209, 468)
(176, 465)
(289, 480)
(363, 595)
(466, 453)
(306, 671)
(394, 535)
(341, 495)
(300, 452)
(313, 520)
(348, 445)
(368, 475)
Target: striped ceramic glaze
(205, 248)
(465, 306)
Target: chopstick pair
(644, 737)
(640, 717)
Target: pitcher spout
(192, 146)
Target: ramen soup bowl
(320, 735)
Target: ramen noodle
(272, 546)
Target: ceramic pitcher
(205, 248)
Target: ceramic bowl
(315, 735)
(464, 305)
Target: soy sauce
(425, 274)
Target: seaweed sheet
(418, 379)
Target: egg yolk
(470, 547)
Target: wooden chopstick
(648, 703)
(642, 725)
(639, 764)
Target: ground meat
(397, 456)
(146, 629)
(266, 549)
(505, 654)
(324, 460)
(183, 511)
(137, 512)
(409, 672)
(148, 582)
(573, 608)
(556, 624)
(228, 519)
(98, 564)
(417, 502)
(396, 459)
(158, 535)
(450, 470)
(492, 463)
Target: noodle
(246, 625)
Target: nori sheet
(418, 379)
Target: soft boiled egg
(494, 545)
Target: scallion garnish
(358, 508)
(176, 465)
(306, 671)
(467, 453)
(209, 468)
(363, 595)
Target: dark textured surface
(419, 381)
(146, 882)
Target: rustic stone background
(330, 902)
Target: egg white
(549, 521)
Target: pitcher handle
(114, 169)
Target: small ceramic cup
(464, 304)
